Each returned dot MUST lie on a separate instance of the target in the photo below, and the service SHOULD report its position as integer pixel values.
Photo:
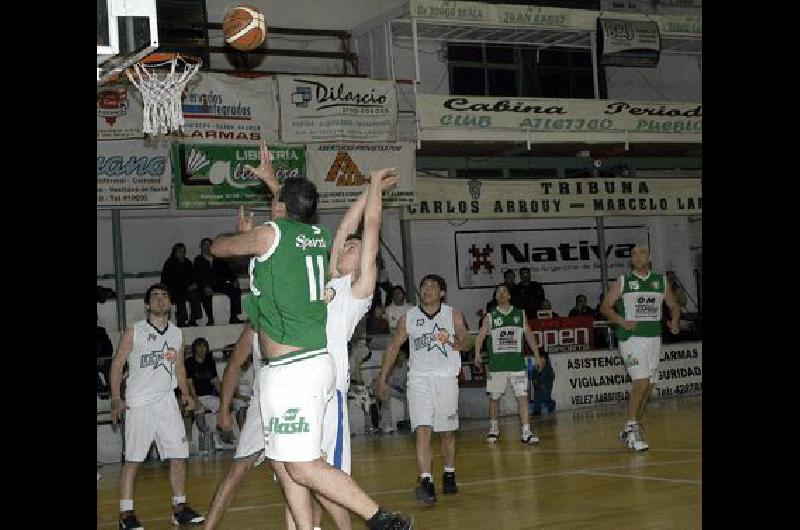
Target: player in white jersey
(153, 350)
(354, 271)
(250, 449)
(434, 365)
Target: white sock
(178, 500)
(426, 475)
(317, 528)
(449, 469)
(494, 425)
(125, 505)
(526, 428)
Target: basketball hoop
(161, 78)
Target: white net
(161, 92)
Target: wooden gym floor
(580, 476)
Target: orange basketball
(244, 27)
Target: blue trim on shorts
(338, 449)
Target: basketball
(244, 27)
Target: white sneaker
(635, 439)
(529, 438)
(492, 437)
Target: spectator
(377, 324)
(104, 353)
(543, 385)
(546, 306)
(581, 308)
(178, 275)
(201, 373)
(397, 382)
(398, 307)
(214, 275)
(527, 295)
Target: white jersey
(151, 369)
(429, 343)
(345, 311)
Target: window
(496, 70)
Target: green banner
(214, 176)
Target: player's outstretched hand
(386, 177)
(188, 401)
(117, 409)
(264, 171)
(245, 221)
(224, 421)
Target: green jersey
(288, 285)
(641, 301)
(505, 348)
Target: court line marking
(641, 477)
(460, 484)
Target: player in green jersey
(634, 304)
(506, 325)
(288, 309)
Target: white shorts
(251, 437)
(496, 383)
(295, 389)
(209, 403)
(641, 356)
(336, 433)
(433, 401)
(160, 421)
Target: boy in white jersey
(434, 365)
(639, 295)
(153, 349)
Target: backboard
(127, 30)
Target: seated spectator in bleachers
(201, 374)
(105, 350)
(397, 308)
(178, 275)
(546, 310)
(214, 275)
(581, 308)
(377, 323)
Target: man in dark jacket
(177, 274)
(214, 275)
(527, 295)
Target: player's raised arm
(380, 181)
(266, 174)
(348, 225)
(250, 241)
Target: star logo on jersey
(165, 358)
(436, 339)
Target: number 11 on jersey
(314, 293)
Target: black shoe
(235, 321)
(384, 520)
(537, 412)
(128, 521)
(185, 515)
(449, 486)
(425, 492)
(551, 406)
(210, 322)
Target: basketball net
(161, 91)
